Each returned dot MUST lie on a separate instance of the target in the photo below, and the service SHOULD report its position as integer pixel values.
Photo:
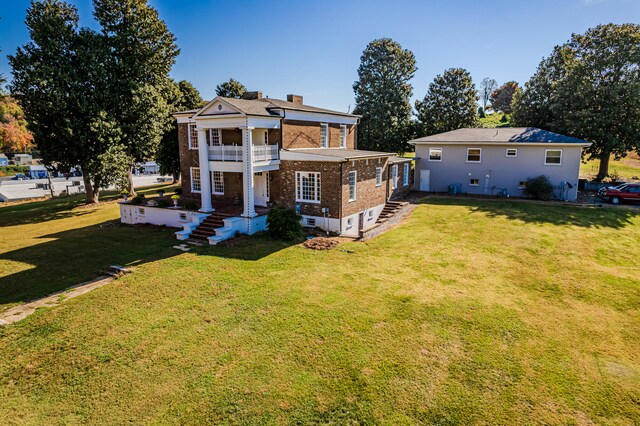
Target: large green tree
(231, 89)
(143, 50)
(589, 88)
(382, 95)
(185, 97)
(61, 82)
(450, 103)
(502, 96)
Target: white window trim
(429, 154)
(343, 136)
(196, 191)
(299, 187)
(379, 177)
(355, 186)
(552, 164)
(474, 162)
(324, 143)
(213, 182)
(394, 176)
(405, 174)
(474, 184)
(506, 153)
(219, 131)
(190, 139)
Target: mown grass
(471, 312)
(625, 168)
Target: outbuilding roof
(334, 154)
(501, 135)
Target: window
(405, 175)
(193, 136)
(394, 176)
(553, 157)
(195, 179)
(324, 135)
(474, 182)
(218, 183)
(435, 154)
(371, 214)
(266, 137)
(182, 217)
(311, 221)
(350, 223)
(215, 137)
(474, 155)
(512, 152)
(353, 179)
(378, 176)
(522, 184)
(308, 187)
(343, 136)
(141, 211)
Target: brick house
(256, 152)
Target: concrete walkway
(20, 312)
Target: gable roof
(265, 107)
(501, 135)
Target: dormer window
(324, 135)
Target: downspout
(340, 211)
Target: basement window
(474, 182)
(141, 211)
(311, 221)
(512, 152)
(182, 217)
(522, 184)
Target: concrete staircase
(200, 235)
(390, 209)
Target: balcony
(234, 153)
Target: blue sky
(313, 48)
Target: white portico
(252, 156)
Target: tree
(487, 86)
(185, 97)
(60, 80)
(382, 95)
(14, 135)
(231, 89)
(450, 103)
(502, 96)
(589, 88)
(143, 50)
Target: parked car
(630, 192)
(620, 186)
(19, 176)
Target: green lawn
(471, 312)
(626, 168)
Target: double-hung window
(215, 137)
(474, 155)
(378, 176)
(405, 175)
(353, 182)
(394, 176)
(218, 182)
(324, 135)
(192, 134)
(195, 179)
(553, 157)
(343, 136)
(308, 187)
(435, 154)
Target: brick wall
(367, 193)
(400, 191)
(306, 134)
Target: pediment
(218, 107)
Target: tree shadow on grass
(79, 255)
(552, 213)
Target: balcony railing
(234, 153)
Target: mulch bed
(322, 243)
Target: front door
(425, 178)
(261, 188)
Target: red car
(629, 193)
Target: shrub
(190, 205)
(284, 224)
(178, 191)
(539, 187)
(163, 203)
(137, 200)
(481, 113)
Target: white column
(247, 164)
(205, 173)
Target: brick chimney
(296, 99)
(252, 95)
